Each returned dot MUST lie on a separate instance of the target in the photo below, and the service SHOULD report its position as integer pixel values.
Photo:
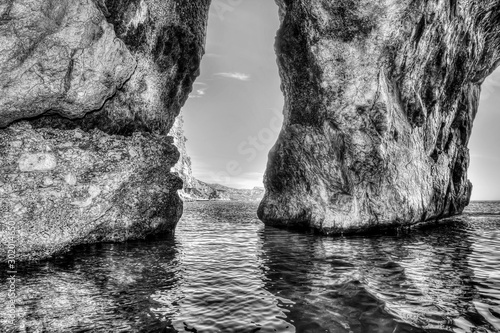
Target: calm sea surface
(224, 271)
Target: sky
(484, 144)
(234, 114)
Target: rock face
(89, 90)
(234, 194)
(194, 189)
(183, 166)
(380, 100)
(167, 38)
(62, 188)
(60, 57)
(380, 97)
(166, 41)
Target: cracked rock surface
(89, 90)
(63, 188)
(380, 97)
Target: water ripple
(224, 271)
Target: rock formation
(58, 56)
(203, 191)
(380, 100)
(183, 165)
(67, 187)
(380, 97)
(194, 189)
(89, 90)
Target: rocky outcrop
(240, 194)
(165, 40)
(203, 191)
(89, 91)
(380, 97)
(183, 166)
(194, 189)
(380, 100)
(62, 188)
(60, 57)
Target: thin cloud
(235, 75)
(199, 90)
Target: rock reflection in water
(100, 288)
(417, 282)
(225, 272)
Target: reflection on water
(225, 272)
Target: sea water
(224, 271)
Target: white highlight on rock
(82, 203)
(94, 191)
(47, 181)
(70, 179)
(37, 162)
(141, 15)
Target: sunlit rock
(37, 162)
(109, 195)
(88, 92)
(166, 38)
(58, 56)
(380, 97)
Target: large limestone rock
(380, 97)
(104, 81)
(62, 188)
(58, 56)
(167, 38)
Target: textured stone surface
(105, 80)
(380, 100)
(37, 162)
(183, 166)
(380, 97)
(167, 38)
(84, 187)
(57, 56)
(63, 57)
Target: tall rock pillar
(380, 97)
